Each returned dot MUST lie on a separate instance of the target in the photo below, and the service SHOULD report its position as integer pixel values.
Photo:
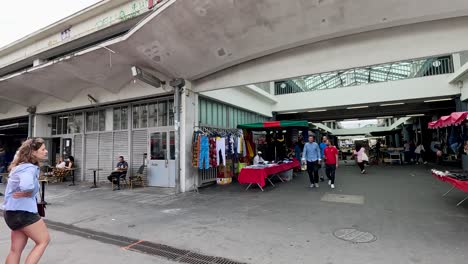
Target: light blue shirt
(311, 152)
(25, 178)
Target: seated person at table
(70, 163)
(60, 163)
(258, 158)
(119, 171)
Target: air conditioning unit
(146, 77)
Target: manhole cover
(354, 236)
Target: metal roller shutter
(139, 147)
(91, 155)
(121, 145)
(106, 159)
(77, 154)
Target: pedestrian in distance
(360, 154)
(323, 145)
(331, 162)
(312, 157)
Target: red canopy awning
(454, 119)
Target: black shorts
(20, 219)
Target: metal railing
(364, 75)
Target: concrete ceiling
(193, 39)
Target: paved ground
(70, 249)
(401, 205)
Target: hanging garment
(230, 147)
(235, 156)
(204, 162)
(196, 148)
(213, 152)
(250, 145)
(220, 151)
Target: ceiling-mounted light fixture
(357, 107)
(317, 110)
(391, 104)
(413, 115)
(384, 117)
(438, 100)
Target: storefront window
(124, 118)
(116, 118)
(67, 124)
(143, 116)
(136, 119)
(171, 112)
(162, 109)
(152, 115)
(102, 120)
(120, 118)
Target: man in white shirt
(258, 158)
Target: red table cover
(258, 175)
(461, 185)
(455, 118)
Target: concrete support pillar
(456, 61)
(272, 88)
(188, 121)
(31, 113)
(42, 126)
(397, 140)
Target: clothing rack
(210, 130)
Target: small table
(94, 173)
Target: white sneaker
(312, 185)
(316, 185)
(332, 186)
(329, 182)
(363, 171)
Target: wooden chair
(60, 173)
(138, 177)
(122, 179)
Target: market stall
(280, 142)
(451, 144)
(458, 180)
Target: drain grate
(354, 236)
(154, 249)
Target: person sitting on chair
(71, 162)
(119, 171)
(60, 163)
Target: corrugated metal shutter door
(91, 155)
(106, 158)
(139, 147)
(121, 145)
(77, 153)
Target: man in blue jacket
(312, 156)
(323, 145)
